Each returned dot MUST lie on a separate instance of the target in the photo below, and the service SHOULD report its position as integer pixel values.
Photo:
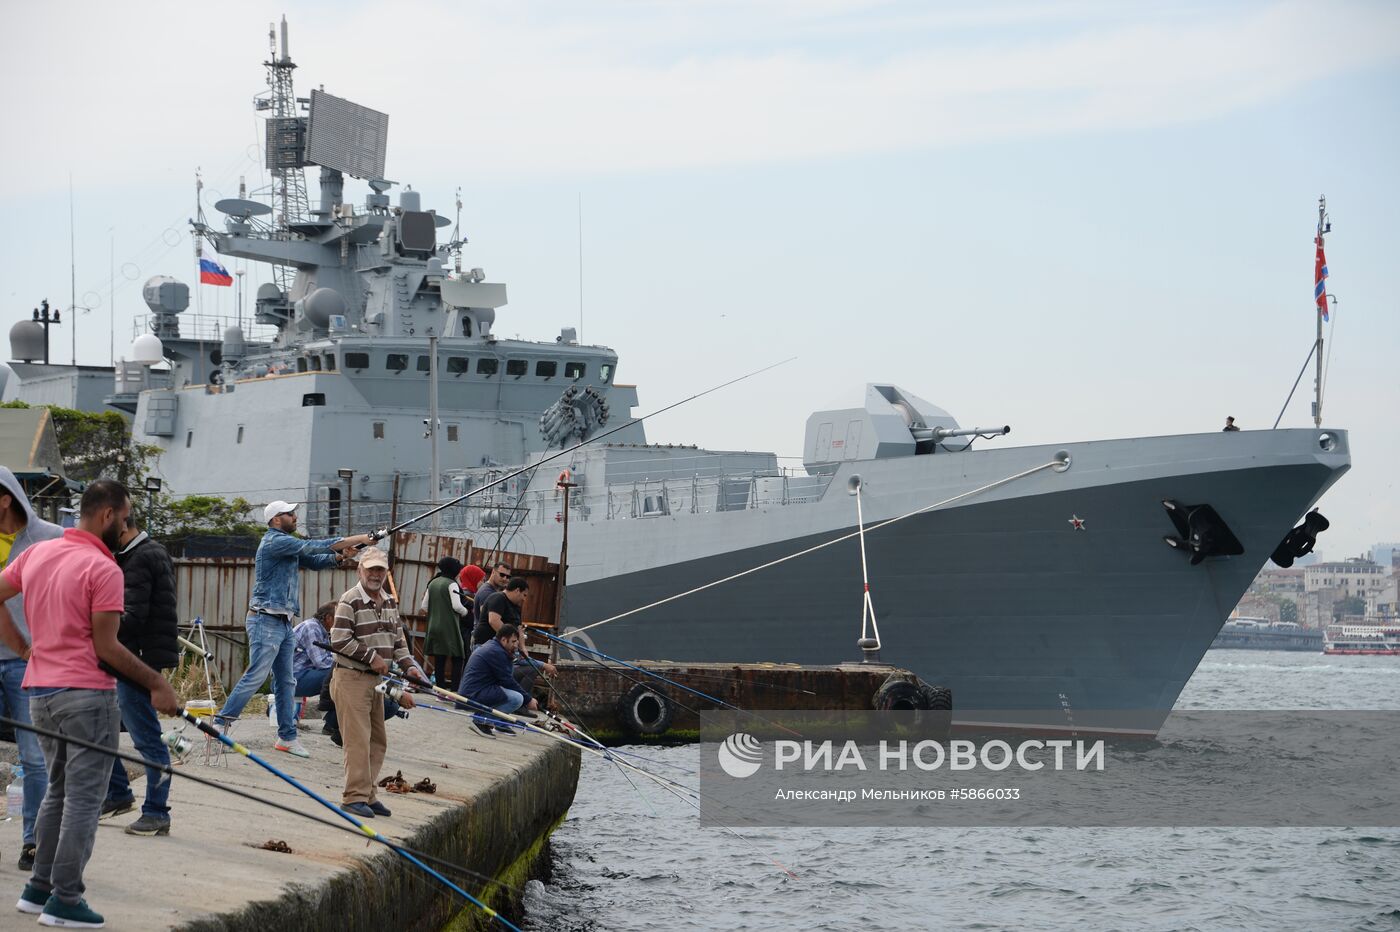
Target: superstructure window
(458, 364)
(517, 367)
(357, 360)
(313, 399)
(315, 363)
(240, 433)
(546, 368)
(575, 370)
(487, 366)
(330, 362)
(396, 362)
(451, 433)
(301, 363)
(378, 430)
(604, 372)
(189, 438)
(424, 364)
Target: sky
(1083, 219)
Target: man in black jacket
(149, 629)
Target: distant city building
(1386, 555)
(1354, 578)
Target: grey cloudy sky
(1083, 219)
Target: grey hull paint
(1004, 601)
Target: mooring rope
(802, 553)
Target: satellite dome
(5, 373)
(147, 349)
(319, 306)
(233, 347)
(27, 341)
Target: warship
(1067, 577)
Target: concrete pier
(496, 802)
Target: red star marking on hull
(1077, 523)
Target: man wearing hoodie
(19, 528)
(150, 628)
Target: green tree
(1351, 605)
(95, 445)
(205, 514)
(1287, 610)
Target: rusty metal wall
(217, 590)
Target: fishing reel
(391, 689)
(178, 742)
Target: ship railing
(499, 512)
(652, 498)
(207, 327)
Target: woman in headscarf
(443, 604)
(470, 579)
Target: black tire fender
(644, 711)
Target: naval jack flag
(1320, 278)
(210, 271)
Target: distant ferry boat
(1263, 634)
(1364, 638)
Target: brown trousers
(360, 711)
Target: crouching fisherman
(75, 597)
(490, 678)
(366, 631)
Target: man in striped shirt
(366, 632)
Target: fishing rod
(169, 770)
(369, 832)
(385, 532)
(499, 719)
(493, 716)
(589, 650)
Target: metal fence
(217, 590)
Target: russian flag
(210, 272)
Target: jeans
(14, 703)
(512, 701)
(139, 716)
(271, 645)
(311, 681)
(67, 823)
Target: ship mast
(1323, 226)
(286, 134)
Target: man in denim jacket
(272, 611)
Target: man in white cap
(366, 633)
(272, 611)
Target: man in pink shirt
(74, 596)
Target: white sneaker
(292, 747)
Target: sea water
(637, 858)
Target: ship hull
(1005, 601)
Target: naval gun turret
(893, 422)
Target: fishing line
(493, 716)
(802, 553)
(169, 770)
(705, 696)
(379, 535)
(369, 832)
